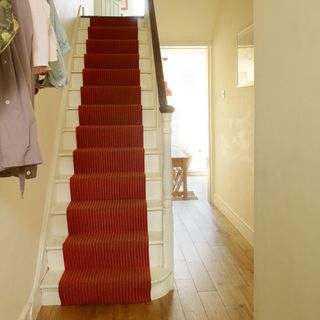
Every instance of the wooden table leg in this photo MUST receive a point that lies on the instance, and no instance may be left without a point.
(185, 186)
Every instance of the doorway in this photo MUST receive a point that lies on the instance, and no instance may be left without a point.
(186, 75)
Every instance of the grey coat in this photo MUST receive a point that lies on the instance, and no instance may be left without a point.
(19, 150)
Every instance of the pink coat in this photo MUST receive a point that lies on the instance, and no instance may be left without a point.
(44, 38)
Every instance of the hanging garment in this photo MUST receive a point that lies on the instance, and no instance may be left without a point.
(58, 29)
(19, 150)
(44, 39)
(8, 24)
(57, 76)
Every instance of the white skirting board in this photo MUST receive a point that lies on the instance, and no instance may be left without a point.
(246, 231)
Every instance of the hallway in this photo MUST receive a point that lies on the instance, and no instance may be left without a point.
(213, 272)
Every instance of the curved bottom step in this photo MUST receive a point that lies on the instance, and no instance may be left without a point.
(161, 284)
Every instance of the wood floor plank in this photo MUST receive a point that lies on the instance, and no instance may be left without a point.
(190, 300)
(201, 277)
(239, 313)
(171, 306)
(138, 311)
(231, 295)
(46, 313)
(178, 255)
(191, 226)
(216, 238)
(205, 252)
(186, 245)
(104, 312)
(181, 270)
(74, 312)
(213, 305)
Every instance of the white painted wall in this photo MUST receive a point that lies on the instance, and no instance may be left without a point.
(185, 21)
(20, 220)
(287, 160)
(233, 121)
(135, 8)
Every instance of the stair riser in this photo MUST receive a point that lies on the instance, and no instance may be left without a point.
(69, 140)
(56, 262)
(65, 164)
(144, 65)
(83, 35)
(72, 118)
(147, 98)
(145, 81)
(62, 191)
(144, 51)
(58, 223)
(85, 23)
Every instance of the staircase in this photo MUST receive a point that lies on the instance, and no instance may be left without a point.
(103, 151)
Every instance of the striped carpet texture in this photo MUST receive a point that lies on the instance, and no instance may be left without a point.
(106, 253)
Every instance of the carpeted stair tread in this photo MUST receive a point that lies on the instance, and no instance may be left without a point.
(114, 21)
(110, 115)
(109, 136)
(108, 186)
(107, 32)
(111, 95)
(111, 61)
(106, 250)
(112, 77)
(105, 286)
(95, 160)
(107, 216)
(112, 46)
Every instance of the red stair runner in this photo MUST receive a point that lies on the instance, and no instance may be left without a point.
(110, 115)
(111, 61)
(106, 253)
(113, 33)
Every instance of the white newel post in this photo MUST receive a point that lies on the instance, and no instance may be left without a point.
(167, 191)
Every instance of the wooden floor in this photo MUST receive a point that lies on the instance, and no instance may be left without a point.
(213, 275)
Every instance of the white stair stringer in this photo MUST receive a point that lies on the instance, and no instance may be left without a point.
(60, 197)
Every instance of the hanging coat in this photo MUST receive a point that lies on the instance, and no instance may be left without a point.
(44, 39)
(19, 150)
(57, 75)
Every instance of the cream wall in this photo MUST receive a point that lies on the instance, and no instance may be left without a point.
(233, 118)
(20, 220)
(185, 21)
(287, 160)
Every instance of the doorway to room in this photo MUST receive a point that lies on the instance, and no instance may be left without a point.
(186, 76)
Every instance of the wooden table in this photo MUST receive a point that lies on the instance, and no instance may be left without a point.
(180, 164)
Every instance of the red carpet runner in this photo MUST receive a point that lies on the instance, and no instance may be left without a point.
(106, 253)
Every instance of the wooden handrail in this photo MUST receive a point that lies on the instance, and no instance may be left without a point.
(164, 107)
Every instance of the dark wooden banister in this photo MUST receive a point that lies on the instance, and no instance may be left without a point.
(164, 107)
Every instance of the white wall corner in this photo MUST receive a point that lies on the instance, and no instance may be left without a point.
(246, 231)
(33, 306)
(26, 313)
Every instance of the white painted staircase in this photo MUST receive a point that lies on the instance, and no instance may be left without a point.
(160, 247)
